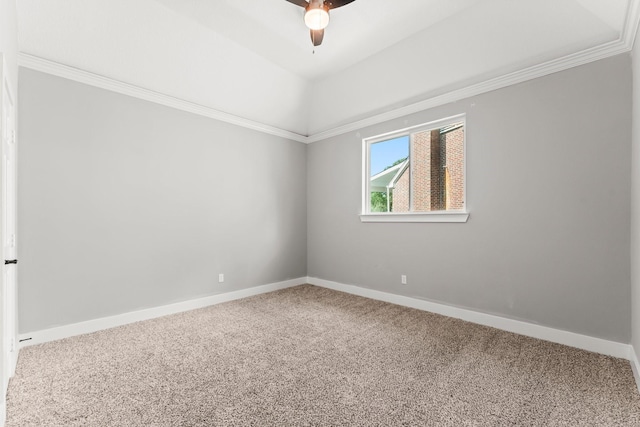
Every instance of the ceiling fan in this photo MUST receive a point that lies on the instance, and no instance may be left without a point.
(316, 15)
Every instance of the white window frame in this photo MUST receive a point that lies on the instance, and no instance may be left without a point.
(366, 215)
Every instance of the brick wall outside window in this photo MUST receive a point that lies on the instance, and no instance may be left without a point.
(437, 173)
(401, 193)
(454, 155)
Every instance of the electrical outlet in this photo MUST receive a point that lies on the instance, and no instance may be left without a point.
(220, 278)
(403, 279)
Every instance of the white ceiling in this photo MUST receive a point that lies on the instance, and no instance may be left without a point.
(254, 59)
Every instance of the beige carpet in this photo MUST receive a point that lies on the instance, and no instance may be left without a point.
(308, 356)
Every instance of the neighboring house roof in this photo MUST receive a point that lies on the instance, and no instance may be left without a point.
(388, 177)
(450, 128)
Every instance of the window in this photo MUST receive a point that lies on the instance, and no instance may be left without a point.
(416, 174)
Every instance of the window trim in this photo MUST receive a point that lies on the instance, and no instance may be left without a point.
(435, 216)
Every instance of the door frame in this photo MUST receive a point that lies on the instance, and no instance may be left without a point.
(9, 290)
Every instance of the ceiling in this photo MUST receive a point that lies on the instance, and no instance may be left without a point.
(254, 59)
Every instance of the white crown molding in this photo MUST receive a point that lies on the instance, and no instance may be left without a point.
(631, 24)
(86, 77)
(89, 326)
(606, 50)
(571, 339)
(622, 45)
(541, 70)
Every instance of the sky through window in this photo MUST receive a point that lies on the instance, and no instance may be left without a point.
(385, 153)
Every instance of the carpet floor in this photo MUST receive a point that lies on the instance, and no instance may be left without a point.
(308, 356)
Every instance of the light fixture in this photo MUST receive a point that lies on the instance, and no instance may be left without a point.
(316, 15)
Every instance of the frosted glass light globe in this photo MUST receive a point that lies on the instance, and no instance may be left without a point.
(316, 18)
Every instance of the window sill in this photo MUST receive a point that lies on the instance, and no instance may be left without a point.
(416, 217)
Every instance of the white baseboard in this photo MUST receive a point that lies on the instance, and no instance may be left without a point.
(89, 326)
(635, 366)
(596, 345)
(3, 410)
(585, 342)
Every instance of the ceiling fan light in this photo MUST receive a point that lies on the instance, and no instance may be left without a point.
(316, 18)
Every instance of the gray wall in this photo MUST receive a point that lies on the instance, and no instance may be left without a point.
(125, 204)
(548, 180)
(635, 204)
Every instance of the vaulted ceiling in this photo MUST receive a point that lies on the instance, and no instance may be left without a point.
(253, 59)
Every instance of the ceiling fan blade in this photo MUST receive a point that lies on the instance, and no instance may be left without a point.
(337, 3)
(301, 3)
(317, 36)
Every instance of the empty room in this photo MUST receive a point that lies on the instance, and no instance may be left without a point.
(320, 213)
